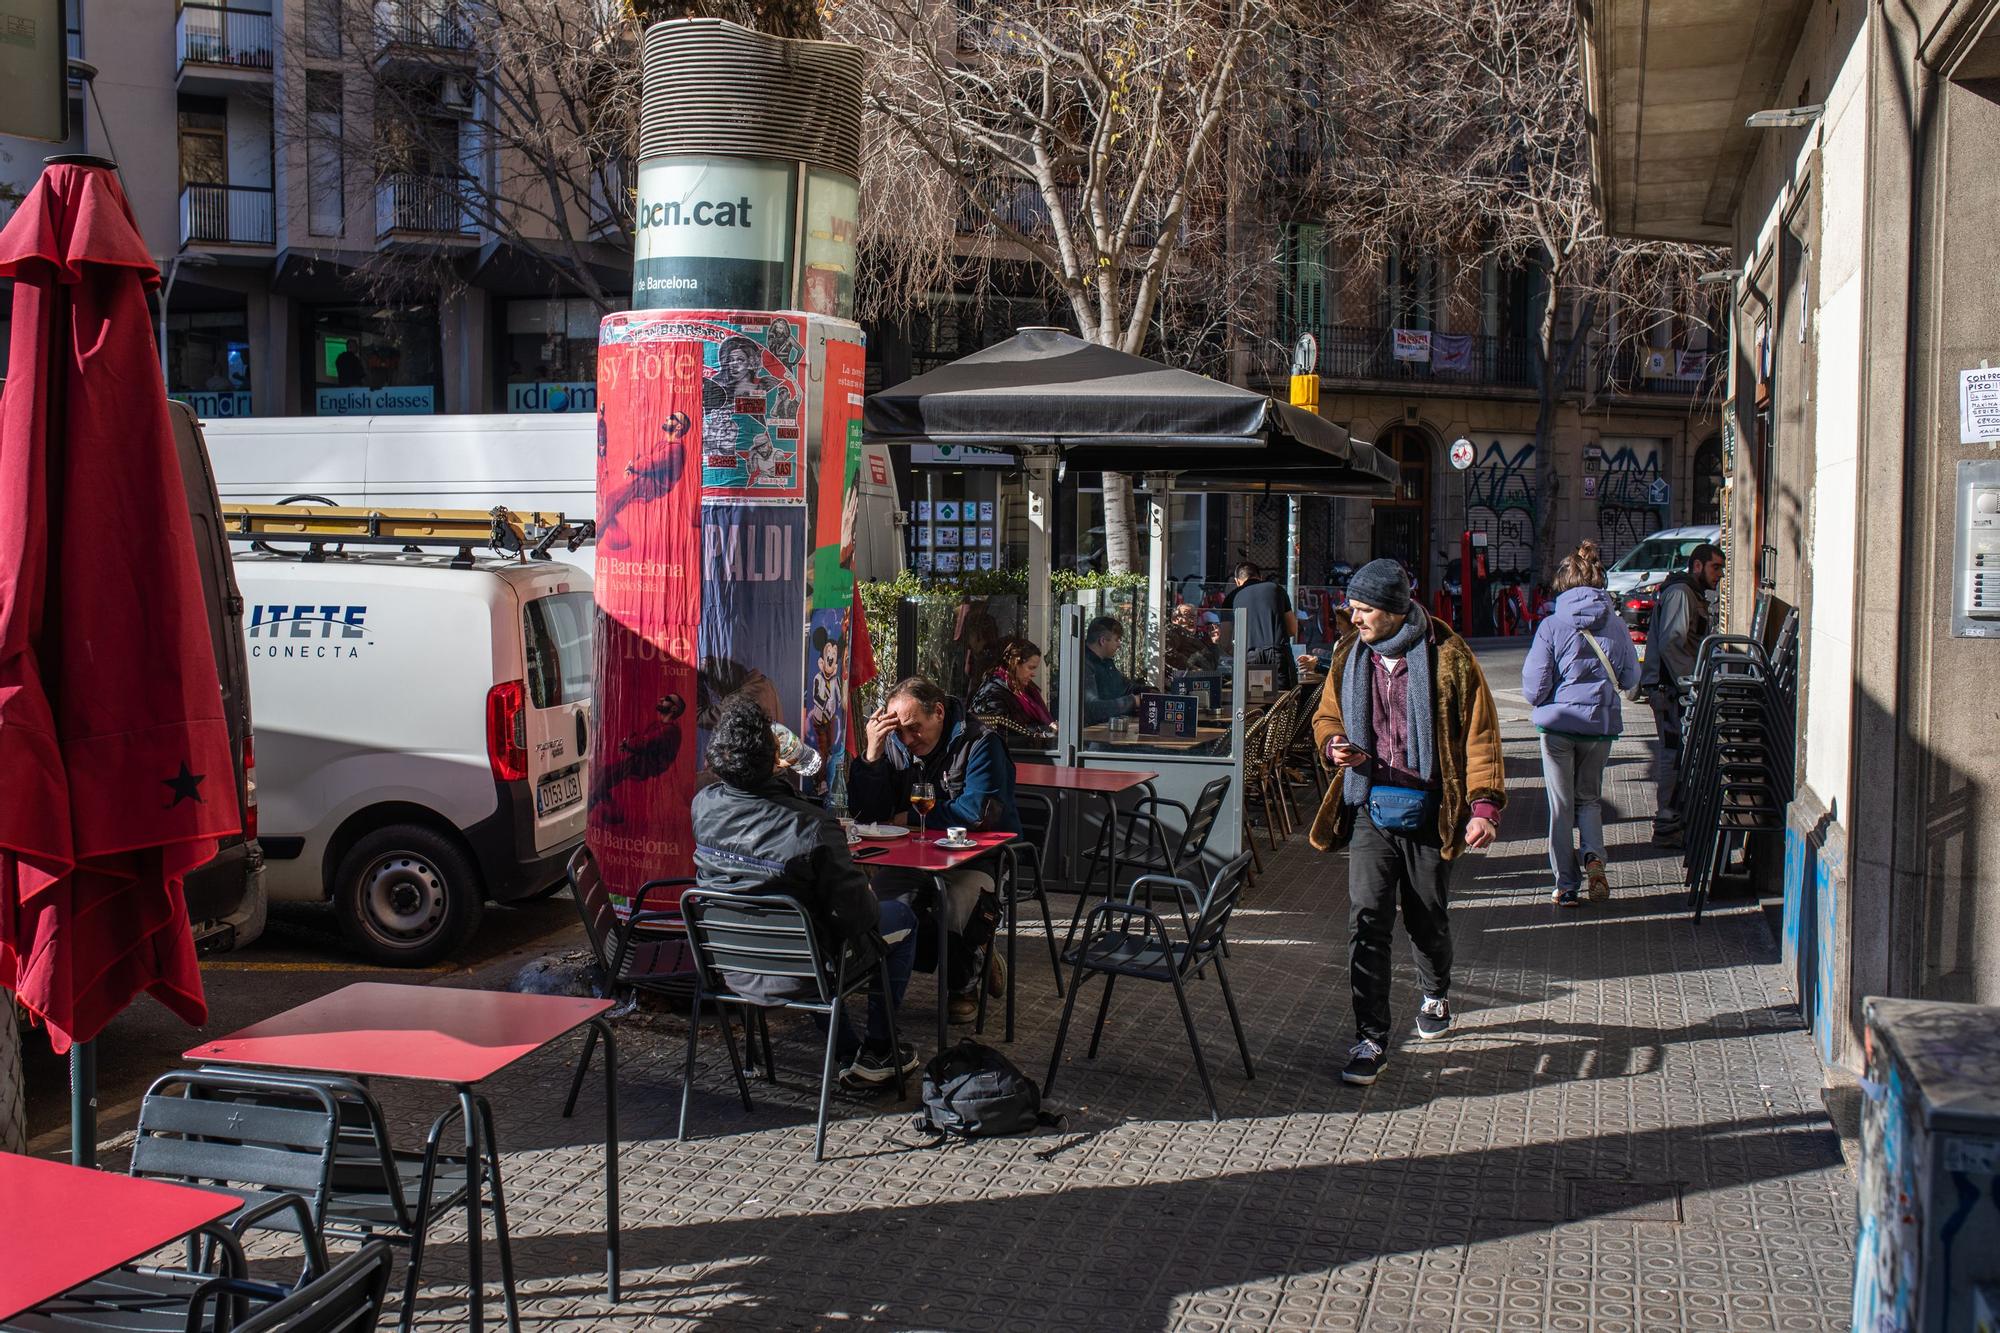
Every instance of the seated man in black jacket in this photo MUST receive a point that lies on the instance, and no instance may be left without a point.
(755, 834)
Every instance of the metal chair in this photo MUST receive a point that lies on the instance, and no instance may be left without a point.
(196, 1129)
(347, 1298)
(1126, 940)
(1015, 889)
(770, 935)
(380, 1192)
(1145, 844)
(647, 950)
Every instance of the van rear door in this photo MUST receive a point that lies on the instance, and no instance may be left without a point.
(558, 623)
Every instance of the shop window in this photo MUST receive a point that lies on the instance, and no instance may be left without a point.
(374, 360)
(549, 348)
(208, 361)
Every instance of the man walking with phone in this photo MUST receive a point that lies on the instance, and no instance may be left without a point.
(1407, 716)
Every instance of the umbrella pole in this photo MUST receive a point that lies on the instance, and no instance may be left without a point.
(83, 1104)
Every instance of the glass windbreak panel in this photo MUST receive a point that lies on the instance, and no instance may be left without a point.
(1133, 700)
(559, 631)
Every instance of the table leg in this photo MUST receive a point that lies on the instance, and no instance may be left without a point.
(475, 1230)
(500, 1234)
(1010, 865)
(610, 1158)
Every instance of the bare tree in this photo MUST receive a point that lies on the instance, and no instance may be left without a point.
(1087, 136)
(1459, 127)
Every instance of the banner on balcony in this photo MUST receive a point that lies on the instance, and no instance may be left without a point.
(648, 590)
(1413, 345)
(1657, 366)
(1691, 366)
(1451, 351)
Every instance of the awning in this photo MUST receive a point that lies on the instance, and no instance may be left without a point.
(1106, 410)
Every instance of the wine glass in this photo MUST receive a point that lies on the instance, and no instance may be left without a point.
(923, 796)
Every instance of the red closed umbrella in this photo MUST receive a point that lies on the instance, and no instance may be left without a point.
(115, 769)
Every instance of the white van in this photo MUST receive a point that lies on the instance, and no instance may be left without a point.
(523, 461)
(421, 726)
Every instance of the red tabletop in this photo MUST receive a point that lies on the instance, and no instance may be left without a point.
(61, 1225)
(910, 854)
(434, 1034)
(1057, 777)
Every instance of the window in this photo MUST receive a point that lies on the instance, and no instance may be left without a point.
(323, 27)
(559, 634)
(1409, 290)
(1305, 287)
(326, 197)
(550, 349)
(373, 360)
(204, 128)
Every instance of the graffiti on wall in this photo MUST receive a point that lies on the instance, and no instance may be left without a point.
(1500, 502)
(1625, 509)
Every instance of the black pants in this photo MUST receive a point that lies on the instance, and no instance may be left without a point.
(1383, 870)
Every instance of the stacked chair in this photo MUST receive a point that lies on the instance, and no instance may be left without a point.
(1738, 730)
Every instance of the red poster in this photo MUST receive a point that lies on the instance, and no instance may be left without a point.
(642, 777)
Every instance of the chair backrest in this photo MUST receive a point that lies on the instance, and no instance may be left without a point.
(1212, 927)
(593, 904)
(215, 1127)
(1255, 748)
(1201, 821)
(347, 1298)
(763, 935)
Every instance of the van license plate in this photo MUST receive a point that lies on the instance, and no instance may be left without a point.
(558, 790)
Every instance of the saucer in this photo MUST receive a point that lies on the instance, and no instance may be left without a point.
(949, 845)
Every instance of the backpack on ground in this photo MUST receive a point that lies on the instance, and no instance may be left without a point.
(974, 1092)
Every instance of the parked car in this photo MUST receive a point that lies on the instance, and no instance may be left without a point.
(1635, 577)
(225, 898)
(422, 726)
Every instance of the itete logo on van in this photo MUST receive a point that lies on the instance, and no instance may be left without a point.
(318, 632)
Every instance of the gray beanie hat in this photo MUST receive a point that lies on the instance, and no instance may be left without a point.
(1383, 585)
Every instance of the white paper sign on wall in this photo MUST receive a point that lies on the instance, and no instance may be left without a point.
(1979, 406)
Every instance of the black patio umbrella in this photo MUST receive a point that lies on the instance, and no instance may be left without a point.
(1106, 410)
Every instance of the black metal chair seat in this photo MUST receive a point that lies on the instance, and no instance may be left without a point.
(1130, 954)
(347, 1298)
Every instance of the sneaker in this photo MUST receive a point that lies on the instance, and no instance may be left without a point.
(1600, 881)
(873, 1067)
(964, 1007)
(1364, 1063)
(1433, 1017)
(1567, 898)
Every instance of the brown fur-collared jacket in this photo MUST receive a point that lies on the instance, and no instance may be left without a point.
(1470, 764)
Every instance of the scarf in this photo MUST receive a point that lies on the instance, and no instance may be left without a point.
(1357, 703)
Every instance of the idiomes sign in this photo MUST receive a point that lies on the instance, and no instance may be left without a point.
(713, 233)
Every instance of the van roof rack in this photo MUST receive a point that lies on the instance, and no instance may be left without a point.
(527, 535)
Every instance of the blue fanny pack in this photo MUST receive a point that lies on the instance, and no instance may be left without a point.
(1401, 809)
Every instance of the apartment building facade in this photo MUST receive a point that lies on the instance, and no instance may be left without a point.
(240, 133)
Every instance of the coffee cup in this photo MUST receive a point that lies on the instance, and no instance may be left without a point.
(955, 833)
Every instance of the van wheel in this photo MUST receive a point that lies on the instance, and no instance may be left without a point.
(407, 896)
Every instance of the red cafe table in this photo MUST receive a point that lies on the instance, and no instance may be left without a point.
(62, 1225)
(439, 1034)
(920, 852)
(1106, 784)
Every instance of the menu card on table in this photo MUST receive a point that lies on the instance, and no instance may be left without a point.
(1167, 715)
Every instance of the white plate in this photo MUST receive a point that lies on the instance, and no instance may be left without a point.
(881, 832)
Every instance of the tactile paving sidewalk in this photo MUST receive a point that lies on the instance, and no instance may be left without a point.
(1623, 1132)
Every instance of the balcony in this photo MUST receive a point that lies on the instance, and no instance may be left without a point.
(1369, 356)
(414, 35)
(422, 210)
(219, 49)
(231, 216)
(1025, 210)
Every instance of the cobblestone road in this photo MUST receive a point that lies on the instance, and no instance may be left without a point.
(1624, 1132)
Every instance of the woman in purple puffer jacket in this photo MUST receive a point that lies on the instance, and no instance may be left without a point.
(1582, 659)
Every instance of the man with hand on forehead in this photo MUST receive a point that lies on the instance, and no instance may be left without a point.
(1406, 715)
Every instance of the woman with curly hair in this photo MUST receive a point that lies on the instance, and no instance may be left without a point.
(755, 834)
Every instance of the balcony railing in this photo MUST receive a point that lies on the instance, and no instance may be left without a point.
(434, 24)
(227, 215)
(1362, 353)
(429, 205)
(1027, 212)
(215, 35)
